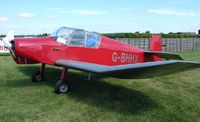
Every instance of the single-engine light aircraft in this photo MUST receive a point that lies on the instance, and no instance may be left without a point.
(93, 53)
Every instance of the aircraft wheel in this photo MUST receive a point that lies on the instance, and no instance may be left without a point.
(36, 77)
(62, 87)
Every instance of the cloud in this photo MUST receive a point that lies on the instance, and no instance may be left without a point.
(172, 12)
(54, 9)
(26, 15)
(3, 19)
(87, 12)
(130, 10)
(52, 16)
(78, 11)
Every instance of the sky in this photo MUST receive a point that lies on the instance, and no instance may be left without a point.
(103, 16)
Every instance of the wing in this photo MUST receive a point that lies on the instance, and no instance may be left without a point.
(140, 70)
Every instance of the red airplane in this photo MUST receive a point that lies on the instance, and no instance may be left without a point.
(94, 53)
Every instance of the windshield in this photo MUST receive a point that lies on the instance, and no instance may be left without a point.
(76, 37)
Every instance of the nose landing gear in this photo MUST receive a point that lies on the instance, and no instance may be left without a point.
(38, 76)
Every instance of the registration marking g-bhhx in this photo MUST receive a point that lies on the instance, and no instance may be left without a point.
(124, 57)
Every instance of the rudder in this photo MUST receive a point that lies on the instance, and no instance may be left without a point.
(156, 45)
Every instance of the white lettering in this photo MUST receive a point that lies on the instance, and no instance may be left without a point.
(114, 57)
(124, 57)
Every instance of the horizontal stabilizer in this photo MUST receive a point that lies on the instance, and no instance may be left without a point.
(165, 55)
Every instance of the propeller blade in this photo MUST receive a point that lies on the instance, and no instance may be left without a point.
(9, 37)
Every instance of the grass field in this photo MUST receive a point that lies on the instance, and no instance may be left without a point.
(171, 98)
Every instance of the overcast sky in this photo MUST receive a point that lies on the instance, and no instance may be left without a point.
(45, 16)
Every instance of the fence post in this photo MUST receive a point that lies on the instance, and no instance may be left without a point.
(180, 44)
(139, 42)
(129, 42)
(193, 45)
(149, 39)
(166, 42)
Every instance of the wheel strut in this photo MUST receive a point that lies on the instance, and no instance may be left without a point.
(38, 76)
(42, 68)
(63, 74)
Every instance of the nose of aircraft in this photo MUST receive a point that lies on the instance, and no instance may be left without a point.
(18, 49)
(10, 44)
(29, 50)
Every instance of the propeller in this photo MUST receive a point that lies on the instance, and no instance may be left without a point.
(7, 42)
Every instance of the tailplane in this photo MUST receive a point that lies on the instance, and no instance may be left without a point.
(155, 51)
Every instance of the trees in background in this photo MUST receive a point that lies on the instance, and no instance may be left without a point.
(147, 34)
(136, 34)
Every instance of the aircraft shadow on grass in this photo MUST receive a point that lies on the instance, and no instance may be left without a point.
(95, 92)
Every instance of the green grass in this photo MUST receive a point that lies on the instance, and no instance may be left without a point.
(174, 97)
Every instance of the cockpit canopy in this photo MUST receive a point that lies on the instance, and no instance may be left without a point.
(77, 37)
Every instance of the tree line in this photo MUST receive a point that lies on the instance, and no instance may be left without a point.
(137, 34)
(28, 35)
(148, 35)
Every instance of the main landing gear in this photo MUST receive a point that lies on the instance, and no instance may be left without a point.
(61, 86)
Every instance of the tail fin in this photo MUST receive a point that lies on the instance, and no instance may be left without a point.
(156, 45)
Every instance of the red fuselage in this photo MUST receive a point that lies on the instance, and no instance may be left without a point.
(47, 50)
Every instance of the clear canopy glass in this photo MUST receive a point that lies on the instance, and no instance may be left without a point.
(76, 37)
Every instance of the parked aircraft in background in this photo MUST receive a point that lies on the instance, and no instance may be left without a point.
(3, 50)
(93, 53)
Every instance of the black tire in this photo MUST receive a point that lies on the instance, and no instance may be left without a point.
(61, 87)
(36, 77)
